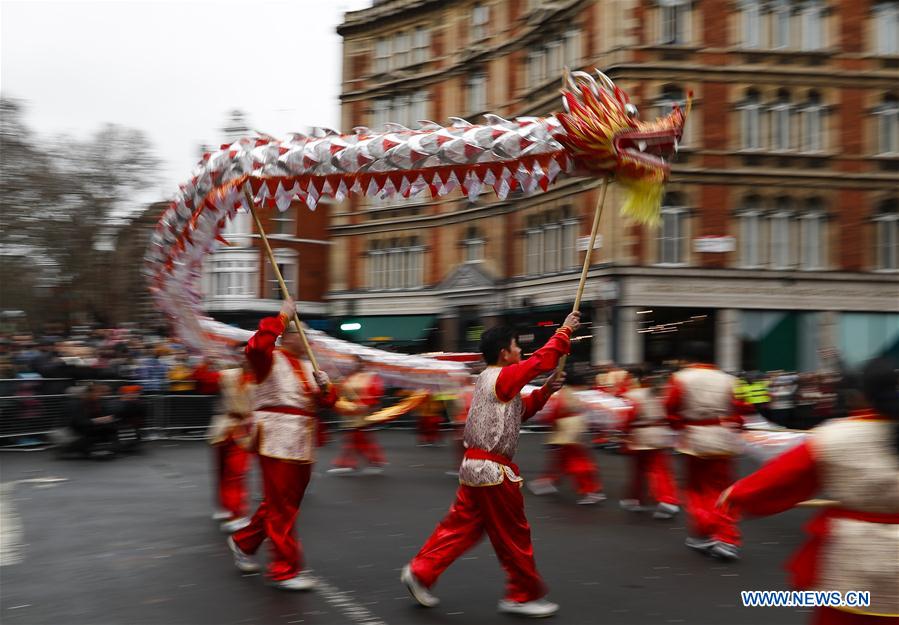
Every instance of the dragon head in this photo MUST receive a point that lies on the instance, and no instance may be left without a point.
(605, 136)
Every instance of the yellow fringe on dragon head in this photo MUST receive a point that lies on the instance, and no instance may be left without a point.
(606, 137)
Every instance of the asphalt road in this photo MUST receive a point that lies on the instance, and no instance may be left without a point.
(130, 541)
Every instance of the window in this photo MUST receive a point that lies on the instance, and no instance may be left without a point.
(287, 265)
(813, 124)
(473, 245)
(780, 235)
(238, 226)
(232, 275)
(477, 93)
(811, 245)
(401, 50)
(285, 223)
(780, 122)
(670, 97)
(569, 243)
(886, 223)
(780, 24)
(377, 267)
(396, 264)
(812, 23)
(672, 234)
(750, 13)
(421, 45)
(534, 251)
(750, 233)
(480, 16)
(382, 56)
(886, 28)
(888, 125)
(554, 58)
(551, 242)
(750, 121)
(380, 112)
(675, 27)
(536, 68)
(573, 48)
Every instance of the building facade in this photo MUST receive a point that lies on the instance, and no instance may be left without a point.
(779, 238)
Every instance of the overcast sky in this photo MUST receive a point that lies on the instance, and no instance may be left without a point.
(173, 69)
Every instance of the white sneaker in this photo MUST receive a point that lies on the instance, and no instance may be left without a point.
(542, 486)
(700, 544)
(373, 470)
(244, 562)
(591, 498)
(631, 505)
(302, 581)
(725, 551)
(221, 515)
(229, 527)
(534, 609)
(665, 511)
(417, 589)
(341, 470)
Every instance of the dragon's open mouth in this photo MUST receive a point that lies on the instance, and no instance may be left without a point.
(652, 148)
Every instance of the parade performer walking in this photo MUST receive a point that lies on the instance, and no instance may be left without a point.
(489, 496)
(855, 542)
(362, 393)
(231, 460)
(702, 406)
(648, 441)
(284, 411)
(568, 456)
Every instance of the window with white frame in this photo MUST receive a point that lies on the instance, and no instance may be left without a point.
(533, 251)
(750, 121)
(811, 236)
(670, 97)
(554, 58)
(573, 53)
(781, 112)
(551, 242)
(238, 227)
(750, 220)
(569, 241)
(672, 234)
(812, 25)
(477, 93)
(396, 264)
(421, 44)
(377, 267)
(401, 49)
(780, 233)
(887, 115)
(780, 24)
(536, 68)
(418, 108)
(232, 275)
(886, 28)
(382, 55)
(813, 124)
(380, 113)
(886, 225)
(480, 17)
(473, 246)
(287, 265)
(675, 21)
(285, 223)
(751, 18)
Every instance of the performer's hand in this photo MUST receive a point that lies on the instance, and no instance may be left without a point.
(322, 379)
(555, 382)
(288, 309)
(722, 499)
(573, 321)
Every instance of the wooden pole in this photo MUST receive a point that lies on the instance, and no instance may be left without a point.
(597, 215)
(271, 257)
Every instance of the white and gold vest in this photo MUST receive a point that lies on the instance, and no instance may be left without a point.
(235, 397)
(650, 430)
(707, 394)
(492, 426)
(859, 468)
(278, 434)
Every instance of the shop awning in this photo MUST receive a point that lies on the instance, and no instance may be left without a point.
(388, 329)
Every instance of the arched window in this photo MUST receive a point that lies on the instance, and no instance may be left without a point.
(751, 18)
(750, 121)
(672, 232)
(886, 224)
(813, 123)
(473, 244)
(780, 24)
(781, 112)
(887, 115)
(886, 28)
(812, 24)
(781, 234)
(675, 22)
(750, 218)
(812, 240)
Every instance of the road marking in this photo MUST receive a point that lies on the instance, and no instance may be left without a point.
(346, 604)
(11, 545)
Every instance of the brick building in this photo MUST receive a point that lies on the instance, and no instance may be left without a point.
(780, 228)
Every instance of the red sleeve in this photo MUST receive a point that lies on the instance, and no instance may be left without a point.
(673, 399)
(261, 345)
(513, 377)
(328, 397)
(533, 403)
(207, 380)
(779, 485)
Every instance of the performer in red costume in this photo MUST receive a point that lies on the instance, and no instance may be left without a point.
(489, 495)
(568, 455)
(854, 543)
(702, 406)
(284, 411)
(231, 460)
(362, 393)
(648, 441)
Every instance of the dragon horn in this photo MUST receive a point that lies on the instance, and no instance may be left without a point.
(588, 79)
(605, 80)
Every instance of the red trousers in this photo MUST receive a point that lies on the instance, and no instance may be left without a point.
(359, 443)
(429, 428)
(706, 479)
(650, 468)
(832, 616)
(574, 461)
(283, 485)
(499, 511)
(231, 462)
